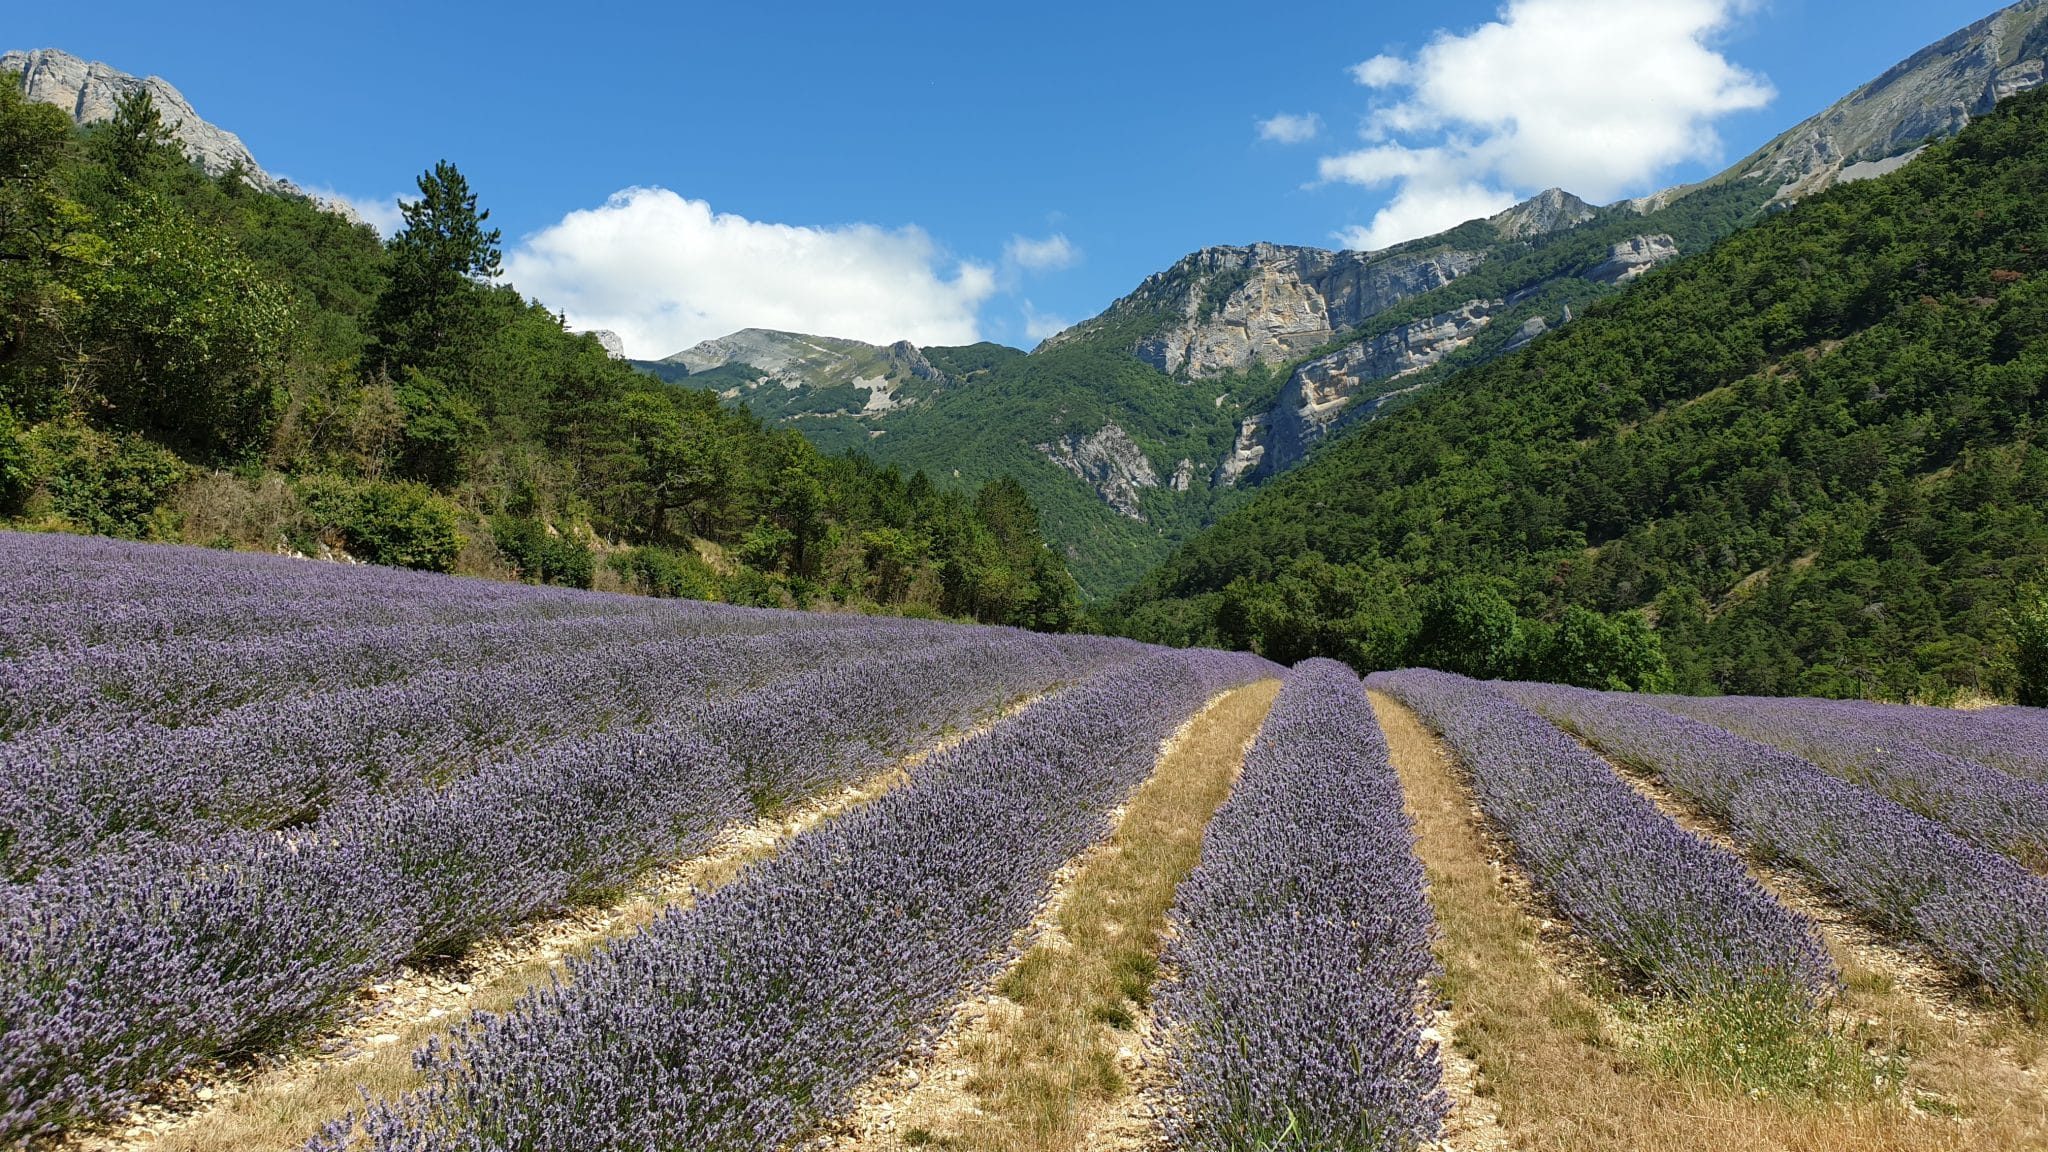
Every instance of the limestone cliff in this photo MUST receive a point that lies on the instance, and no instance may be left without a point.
(1930, 95)
(1227, 309)
(1108, 461)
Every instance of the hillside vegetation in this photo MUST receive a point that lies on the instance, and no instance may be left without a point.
(1808, 456)
(184, 357)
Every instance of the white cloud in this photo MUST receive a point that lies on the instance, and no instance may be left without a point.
(1050, 254)
(1039, 325)
(1289, 128)
(665, 272)
(380, 213)
(1596, 96)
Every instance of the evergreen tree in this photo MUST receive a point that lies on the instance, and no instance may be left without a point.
(430, 316)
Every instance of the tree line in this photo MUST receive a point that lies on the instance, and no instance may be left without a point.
(185, 357)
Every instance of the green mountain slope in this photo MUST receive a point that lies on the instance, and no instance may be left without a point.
(1810, 455)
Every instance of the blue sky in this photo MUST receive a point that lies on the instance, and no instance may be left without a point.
(944, 171)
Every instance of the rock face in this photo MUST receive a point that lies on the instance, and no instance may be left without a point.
(1245, 455)
(89, 91)
(1553, 211)
(896, 376)
(1318, 392)
(1629, 259)
(1108, 461)
(613, 346)
(1266, 304)
(1930, 95)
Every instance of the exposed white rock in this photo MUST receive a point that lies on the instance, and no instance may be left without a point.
(613, 345)
(90, 91)
(1933, 94)
(1245, 455)
(1183, 476)
(1318, 392)
(1554, 210)
(1532, 328)
(797, 361)
(1629, 259)
(1108, 461)
(1270, 303)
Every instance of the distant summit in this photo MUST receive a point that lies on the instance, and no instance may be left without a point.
(90, 90)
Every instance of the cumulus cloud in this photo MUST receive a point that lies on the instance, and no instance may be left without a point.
(1289, 128)
(380, 213)
(666, 272)
(1597, 96)
(1044, 255)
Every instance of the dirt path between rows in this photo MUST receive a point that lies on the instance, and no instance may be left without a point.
(1055, 1054)
(281, 1105)
(1559, 1061)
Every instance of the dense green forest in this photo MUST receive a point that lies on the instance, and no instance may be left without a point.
(1806, 460)
(186, 358)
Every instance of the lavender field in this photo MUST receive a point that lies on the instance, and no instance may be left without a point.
(243, 797)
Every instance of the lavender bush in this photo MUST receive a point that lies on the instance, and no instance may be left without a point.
(743, 1021)
(1674, 911)
(1977, 910)
(189, 894)
(1983, 805)
(1302, 943)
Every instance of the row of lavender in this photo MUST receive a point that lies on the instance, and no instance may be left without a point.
(1301, 945)
(1977, 910)
(68, 593)
(377, 767)
(1678, 914)
(1984, 804)
(68, 794)
(744, 1021)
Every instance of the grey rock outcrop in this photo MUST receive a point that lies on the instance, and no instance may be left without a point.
(613, 345)
(796, 362)
(1317, 394)
(1233, 308)
(1555, 210)
(1108, 461)
(1628, 260)
(1245, 455)
(89, 91)
(1183, 476)
(1930, 95)
(1526, 335)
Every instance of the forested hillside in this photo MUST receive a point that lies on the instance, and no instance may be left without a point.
(185, 357)
(1808, 457)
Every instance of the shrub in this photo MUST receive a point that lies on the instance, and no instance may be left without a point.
(542, 557)
(106, 484)
(17, 477)
(401, 525)
(2030, 653)
(661, 572)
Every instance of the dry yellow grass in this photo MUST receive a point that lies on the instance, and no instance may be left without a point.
(1050, 1062)
(1565, 1070)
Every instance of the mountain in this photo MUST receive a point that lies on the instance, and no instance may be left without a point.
(1135, 428)
(823, 381)
(1931, 95)
(1809, 455)
(89, 91)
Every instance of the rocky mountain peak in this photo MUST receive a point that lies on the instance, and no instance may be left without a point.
(1553, 210)
(90, 91)
(1226, 309)
(1930, 95)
